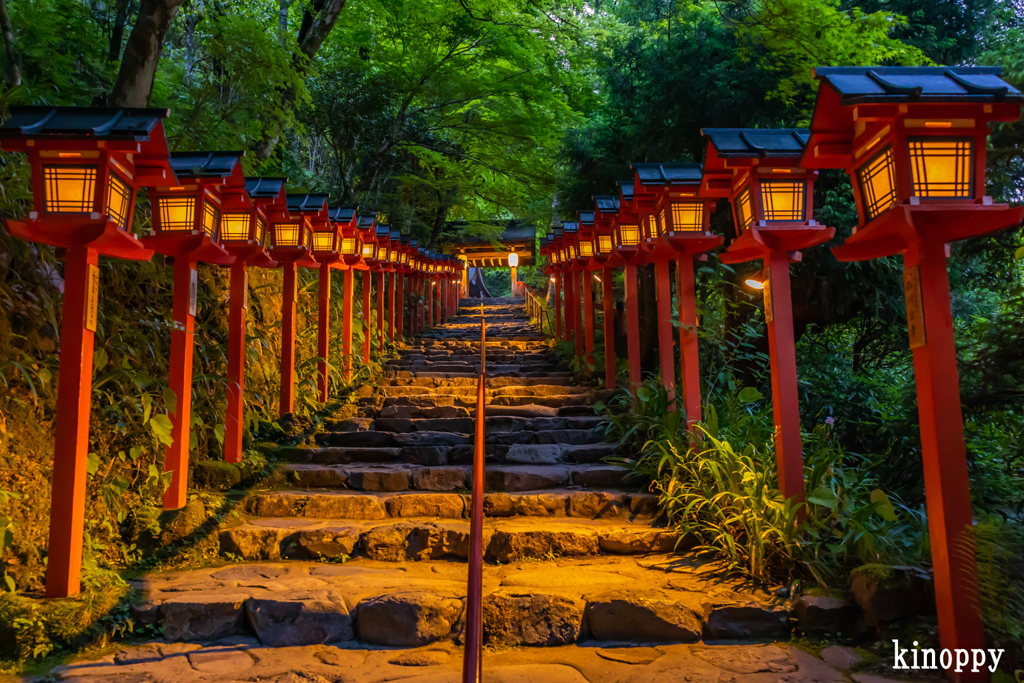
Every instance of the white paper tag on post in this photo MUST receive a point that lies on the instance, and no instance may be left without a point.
(193, 291)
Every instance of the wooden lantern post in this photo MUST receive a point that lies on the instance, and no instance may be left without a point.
(913, 141)
(773, 202)
(329, 249)
(291, 246)
(574, 265)
(606, 208)
(626, 248)
(243, 233)
(382, 269)
(402, 269)
(367, 224)
(585, 262)
(351, 256)
(677, 227)
(186, 228)
(87, 165)
(394, 272)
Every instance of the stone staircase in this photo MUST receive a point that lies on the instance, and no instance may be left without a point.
(375, 517)
(393, 488)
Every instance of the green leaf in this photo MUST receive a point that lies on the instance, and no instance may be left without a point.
(92, 465)
(1019, 254)
(99, 359)
(823, 496)
(170, 400)
(9, 580)
(643, 394)
(883, 505)
(161, 427)
(749, 395)
(218, 432)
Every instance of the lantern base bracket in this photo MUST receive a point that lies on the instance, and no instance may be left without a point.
(904, 225)
(757, 242)
(105, 236)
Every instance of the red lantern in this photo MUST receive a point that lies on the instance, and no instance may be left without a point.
(913, 141)
(87, 165)
(626, 225)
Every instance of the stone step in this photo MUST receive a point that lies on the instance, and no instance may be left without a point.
(571, 402)
(430, 538)
(469, 389)
(405, 477)
(456, 450)
(495, 424)
(550, 503)
(545, 382)
(631, 600)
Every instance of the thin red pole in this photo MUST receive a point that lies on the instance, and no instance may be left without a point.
(686, 296)
(632, 326)
(666, 349)
(785, 398)
(380, 312)
(237, 310)
(393, 277)
(472, 664)
(577, 313)
(180, 380)
(609, 328)
(440, 311)
(287, 399)
(71, 426)
(400, 313)
(947, 488)
(367, 322)
(323, 332)
(348, 296)
(558, 306)
(588, 303)
(569, 315)
(430, 303)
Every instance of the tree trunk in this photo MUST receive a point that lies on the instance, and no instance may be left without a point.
(121, 11)
(282, 19)
(311, 37)
(195, 16)
(12, 72)
(134, 84)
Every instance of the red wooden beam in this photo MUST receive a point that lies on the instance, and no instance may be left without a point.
(391, 305)
(785, 397)
(558, 306)
(323, 336)
(286, 403)
(666, 348)
(400, 312)
(234, 421)
(577, 312)
(182, 334)
(588, 303)
(942, 446)
(632, 326)
(609, 327)
(348, 296)
(686, 296)
(71, 423)
(380, 311)
(367, 315)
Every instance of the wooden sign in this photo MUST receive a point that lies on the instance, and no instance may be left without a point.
(193, 291)
(915, 309)
(769, 307)
(245, 291)
(92, 297)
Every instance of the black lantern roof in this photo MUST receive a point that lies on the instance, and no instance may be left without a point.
(383, 231)
(607, 203)
(395, 236)
(341, 214)
(366, 219)
(860, 84)
(108, 123)
(413, 243)
(570, 227)
(264, 188)
(757, 142)
(405, 240)
(306, 202)
(558, 232)
(626, 187)
(668, 174)
(586, 218)
(205, 164)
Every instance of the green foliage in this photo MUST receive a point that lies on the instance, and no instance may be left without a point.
(718, 486)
